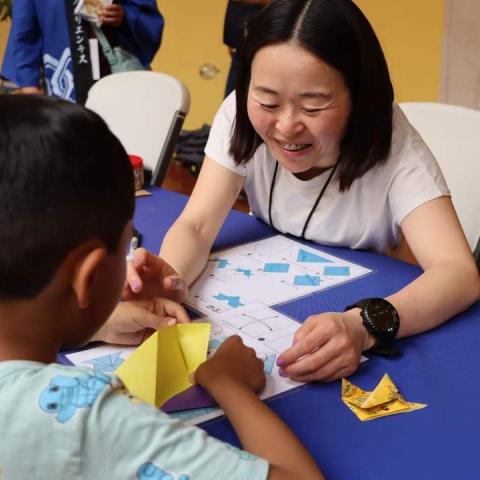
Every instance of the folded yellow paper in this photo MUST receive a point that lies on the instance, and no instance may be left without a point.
(159, 369)
(384, 400)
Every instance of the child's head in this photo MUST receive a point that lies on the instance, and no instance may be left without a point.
(65, 182)
(338, 34)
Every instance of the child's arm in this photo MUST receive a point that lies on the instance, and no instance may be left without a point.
(232, 376)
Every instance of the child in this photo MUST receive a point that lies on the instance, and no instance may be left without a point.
(66, 206)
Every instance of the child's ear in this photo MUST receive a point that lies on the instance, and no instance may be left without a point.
(87, 265)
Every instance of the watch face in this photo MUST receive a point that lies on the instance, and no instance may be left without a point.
(382, 315)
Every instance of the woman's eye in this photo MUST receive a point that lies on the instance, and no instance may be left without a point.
(312, 110)
(268, 106)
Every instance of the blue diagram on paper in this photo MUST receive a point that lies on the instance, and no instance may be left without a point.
(337, 271)
(106, 363)
(222, 263)
(246, 271)
(276, 267)
(214, 343)
(309, 257)
(232, 301)
(269, 363)
(306, 280)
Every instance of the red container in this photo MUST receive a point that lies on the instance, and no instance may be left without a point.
(137, 165)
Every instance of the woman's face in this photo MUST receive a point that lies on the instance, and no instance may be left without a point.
(300, 106)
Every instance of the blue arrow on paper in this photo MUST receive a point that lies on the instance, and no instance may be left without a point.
(232, 301)
(246, 271)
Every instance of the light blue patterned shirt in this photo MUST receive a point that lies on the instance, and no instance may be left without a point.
(68, 422)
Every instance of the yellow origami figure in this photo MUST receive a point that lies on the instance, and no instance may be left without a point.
(384, 400)
(161, 367)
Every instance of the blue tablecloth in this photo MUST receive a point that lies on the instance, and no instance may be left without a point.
(437, 368)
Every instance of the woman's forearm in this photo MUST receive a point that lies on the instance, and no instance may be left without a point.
(438, 294)
(186, 250)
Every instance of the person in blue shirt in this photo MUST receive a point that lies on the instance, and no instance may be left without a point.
(66, 228)
(43, 32)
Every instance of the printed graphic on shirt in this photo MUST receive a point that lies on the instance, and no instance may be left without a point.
(64, 395)
(58, 77)
(149, 471)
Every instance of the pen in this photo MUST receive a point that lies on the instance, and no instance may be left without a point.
(133, 246)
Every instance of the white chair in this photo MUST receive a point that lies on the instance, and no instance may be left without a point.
(145, 110)
(453, 135)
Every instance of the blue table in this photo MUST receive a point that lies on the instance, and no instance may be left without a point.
(437, 368)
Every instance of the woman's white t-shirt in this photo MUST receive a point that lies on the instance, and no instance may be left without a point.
(367, 216)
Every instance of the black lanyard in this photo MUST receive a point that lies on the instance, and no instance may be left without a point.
(317, 201)
(80, 51)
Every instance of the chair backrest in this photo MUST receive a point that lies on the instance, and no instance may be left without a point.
(453, 135)
(145, 110)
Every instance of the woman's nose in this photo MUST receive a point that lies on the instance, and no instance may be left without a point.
(288, 123)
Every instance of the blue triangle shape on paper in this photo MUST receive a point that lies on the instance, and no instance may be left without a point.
(304, 256)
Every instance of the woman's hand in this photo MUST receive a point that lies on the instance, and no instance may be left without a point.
(326, 347)
(112, 15)
(150, 276)
(132, 322)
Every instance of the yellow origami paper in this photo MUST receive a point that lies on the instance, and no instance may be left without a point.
(384, 400)
(159, 369)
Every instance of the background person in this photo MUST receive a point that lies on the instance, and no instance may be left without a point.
(42, 33)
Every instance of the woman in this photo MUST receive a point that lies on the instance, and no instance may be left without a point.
(323, 153)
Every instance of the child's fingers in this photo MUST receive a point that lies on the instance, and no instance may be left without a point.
(175, 311)
(134, 281)
(175, 288)
(148, 320)
(140, 258)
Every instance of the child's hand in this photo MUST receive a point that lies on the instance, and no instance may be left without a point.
(233, 361)
(132, 322)
(112, 15)
(150, 276)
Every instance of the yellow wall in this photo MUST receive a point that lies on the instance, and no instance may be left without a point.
(411, 33)
(193, 37)
(4, 28)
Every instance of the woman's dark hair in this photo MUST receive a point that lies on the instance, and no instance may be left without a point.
(64, 179)
(339, 34)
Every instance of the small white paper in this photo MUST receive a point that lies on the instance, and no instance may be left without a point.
(90, 10)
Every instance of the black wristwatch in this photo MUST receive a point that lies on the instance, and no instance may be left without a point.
(381, 320)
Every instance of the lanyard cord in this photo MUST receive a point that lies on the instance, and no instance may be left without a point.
(270, 199)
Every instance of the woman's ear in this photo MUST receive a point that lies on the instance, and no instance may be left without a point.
(88, 263)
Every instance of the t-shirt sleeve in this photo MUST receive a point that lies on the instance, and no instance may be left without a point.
(416, 180)
(142, 442)
(218, 144)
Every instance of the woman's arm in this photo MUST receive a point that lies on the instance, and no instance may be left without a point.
(450, 282)
(188, 242)
(332, 343)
